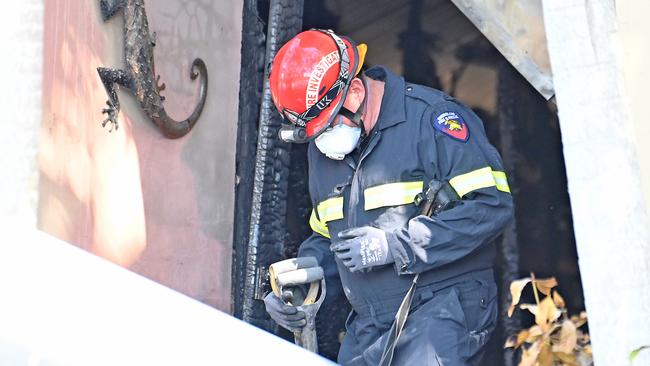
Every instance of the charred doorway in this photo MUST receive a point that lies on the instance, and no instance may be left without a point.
(428, 42)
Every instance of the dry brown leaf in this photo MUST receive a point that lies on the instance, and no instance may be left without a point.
(555, 326)
(579, 320)
(546, 314)
(583, 338)
(515, 291)
(529, 355)
(522, 337)
(568, 338)
(545, 285)
(568, 359)
(535, 331)
(551, 341)
(530, 307)
(585, 356)
(545, 357)
(528, 335)
(558, 300)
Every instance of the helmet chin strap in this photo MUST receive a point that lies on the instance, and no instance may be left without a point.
(356, 116)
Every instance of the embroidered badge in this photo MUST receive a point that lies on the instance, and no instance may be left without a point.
(452, 124)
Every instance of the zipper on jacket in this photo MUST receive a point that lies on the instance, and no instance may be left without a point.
(355, 186)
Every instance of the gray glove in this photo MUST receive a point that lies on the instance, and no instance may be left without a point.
(286, 316)
(365, 247)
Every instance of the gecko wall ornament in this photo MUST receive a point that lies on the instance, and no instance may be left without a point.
(139, 75)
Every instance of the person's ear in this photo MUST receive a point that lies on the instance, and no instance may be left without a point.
(357, 91)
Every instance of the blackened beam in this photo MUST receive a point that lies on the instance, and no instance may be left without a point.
(268, 210)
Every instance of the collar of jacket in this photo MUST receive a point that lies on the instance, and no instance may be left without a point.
(392, 110)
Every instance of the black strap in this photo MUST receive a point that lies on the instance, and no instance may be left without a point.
(398, 324)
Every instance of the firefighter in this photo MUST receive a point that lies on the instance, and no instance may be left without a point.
(375, 143)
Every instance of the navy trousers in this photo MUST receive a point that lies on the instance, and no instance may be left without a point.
(447, 326)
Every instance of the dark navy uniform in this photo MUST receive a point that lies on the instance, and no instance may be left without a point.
(421, 134)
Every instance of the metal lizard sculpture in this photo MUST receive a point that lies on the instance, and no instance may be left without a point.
(139, 75)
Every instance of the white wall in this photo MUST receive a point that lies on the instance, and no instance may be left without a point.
(162, 208)
(604, 168)
(21, 39)
(632, 19)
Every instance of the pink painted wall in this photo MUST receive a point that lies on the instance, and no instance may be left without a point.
(162, 208)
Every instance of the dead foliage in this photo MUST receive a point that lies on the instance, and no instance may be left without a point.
(556, 338)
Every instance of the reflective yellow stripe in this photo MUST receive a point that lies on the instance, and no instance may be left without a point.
(392, 194)
(480, 178)
(501, 181)
(318, 226)
(331, 209)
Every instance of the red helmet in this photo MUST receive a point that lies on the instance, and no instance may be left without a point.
(310, 78)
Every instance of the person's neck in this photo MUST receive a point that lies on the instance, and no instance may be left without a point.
(375, 90)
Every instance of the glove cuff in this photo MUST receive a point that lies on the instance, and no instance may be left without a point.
(398, 253)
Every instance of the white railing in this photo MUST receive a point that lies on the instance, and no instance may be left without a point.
(60, 305)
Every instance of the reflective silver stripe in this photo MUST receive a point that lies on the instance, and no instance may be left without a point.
(501, 181)
(479, 178)
(330, 209)
(318, 226)
(391, 194)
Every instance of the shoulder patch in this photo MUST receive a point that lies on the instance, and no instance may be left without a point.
(451, 124)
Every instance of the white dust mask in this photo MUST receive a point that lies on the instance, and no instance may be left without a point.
(338, 141)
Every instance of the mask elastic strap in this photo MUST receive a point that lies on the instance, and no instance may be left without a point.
(356, 116)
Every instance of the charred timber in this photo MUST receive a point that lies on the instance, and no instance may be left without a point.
(268, 232)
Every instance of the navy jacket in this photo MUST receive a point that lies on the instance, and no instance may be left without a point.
(421, 134)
